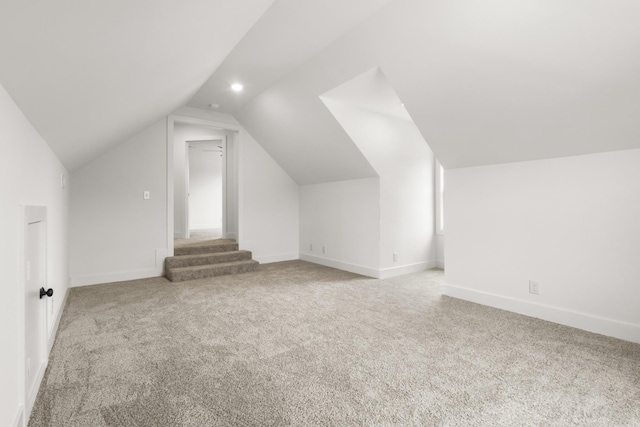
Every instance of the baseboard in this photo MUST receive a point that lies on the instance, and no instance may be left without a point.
(352, 268)
(19, 419)
(385, 273)
(440, 264)
(267, 259)
(119, 276)
(599, 325)
(232, 235)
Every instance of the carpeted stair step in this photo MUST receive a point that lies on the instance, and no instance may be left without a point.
(207, 258)
(207, 248)
(181, 274)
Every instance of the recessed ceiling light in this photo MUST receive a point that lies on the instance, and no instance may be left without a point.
(237, 87)
(214, 105)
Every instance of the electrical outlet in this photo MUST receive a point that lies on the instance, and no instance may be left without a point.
(395, 257)
(146, 195)
(534, 287)
(311, 247)
(324, 249)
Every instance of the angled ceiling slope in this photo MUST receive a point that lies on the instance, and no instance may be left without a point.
(485, 82)
(289, 33)
(89, 75)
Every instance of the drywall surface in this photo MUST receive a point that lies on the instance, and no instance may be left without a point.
(485, 84)
(115, 233)
(31, 175)
(182, 133)
(570, 224)
(342, 217)
(399, 154)
(268, 205)
(205, 186)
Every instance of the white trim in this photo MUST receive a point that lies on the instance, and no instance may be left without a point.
(440, 264)
(19, 419)
(353, 268)
(170, 196)
(120, 276)
(231, 235)
(267, 259)
(385, 273)
(438, 196)
(588, 322)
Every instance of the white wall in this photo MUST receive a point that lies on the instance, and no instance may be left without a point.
(30, 175)
(572, 224)
(399, 154)
(115, 234)
(268, 203)
(205, 187)
(344, 217)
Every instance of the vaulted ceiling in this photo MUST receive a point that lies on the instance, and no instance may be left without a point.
(90, 74)
(485, 82)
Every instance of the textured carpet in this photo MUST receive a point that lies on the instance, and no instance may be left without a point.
(299, 344)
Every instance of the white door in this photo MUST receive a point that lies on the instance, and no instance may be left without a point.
(35, 327)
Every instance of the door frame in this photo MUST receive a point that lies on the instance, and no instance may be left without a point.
(32, 215)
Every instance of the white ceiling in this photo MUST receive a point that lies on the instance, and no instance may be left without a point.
(370, 91)
(485, 82)
(90, 74)
(289, 33)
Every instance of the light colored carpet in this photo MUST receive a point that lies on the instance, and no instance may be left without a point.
(299, 344)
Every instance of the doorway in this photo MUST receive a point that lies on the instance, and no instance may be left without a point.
(35, 312)
(205, 176)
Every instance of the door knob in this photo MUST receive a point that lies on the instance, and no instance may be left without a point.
(48, 292)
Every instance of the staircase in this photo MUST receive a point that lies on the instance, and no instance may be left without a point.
(208, 258)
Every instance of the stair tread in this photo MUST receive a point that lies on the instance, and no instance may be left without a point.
(208, 254)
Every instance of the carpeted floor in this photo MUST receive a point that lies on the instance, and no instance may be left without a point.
(303, 345)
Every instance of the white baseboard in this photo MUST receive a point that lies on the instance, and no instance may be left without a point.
(19, 419)
(119, 276)
(440, 264)
(406, 269)
(267, 259)
(353, 268)
(599, 325)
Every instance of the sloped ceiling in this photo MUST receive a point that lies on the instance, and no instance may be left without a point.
(88, 74)
(485, 82)
(289, 33)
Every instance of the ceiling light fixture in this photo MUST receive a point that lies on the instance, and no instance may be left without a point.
(237, 87)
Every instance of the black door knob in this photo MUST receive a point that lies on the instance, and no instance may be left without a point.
(48, 292)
